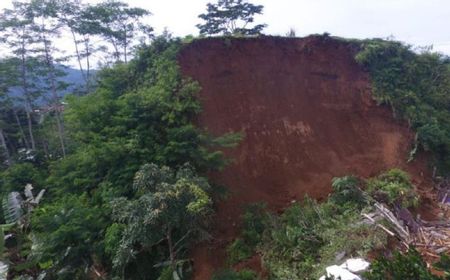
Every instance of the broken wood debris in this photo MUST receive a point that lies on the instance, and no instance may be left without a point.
(432, 237)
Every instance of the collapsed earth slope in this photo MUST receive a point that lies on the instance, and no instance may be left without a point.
(305, 108)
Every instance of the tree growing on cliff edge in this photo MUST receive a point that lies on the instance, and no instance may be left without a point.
(231, 17)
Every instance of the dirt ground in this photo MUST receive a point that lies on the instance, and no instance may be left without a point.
(305, 108)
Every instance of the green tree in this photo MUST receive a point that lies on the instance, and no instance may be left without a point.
(171, 208)
(140, 112)
(68, 234)
(118, 24)
(44, 15)
(70, 13)
(231, 17)
(20, 37)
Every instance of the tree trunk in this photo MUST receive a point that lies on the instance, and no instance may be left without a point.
(5, 148)
(88, 64)
(30, 130)
(172, 253)
(45, 148)
(22, 133)
(56, 105)
(83, 73)
(29, 107)
(60, 133)
(116, 50)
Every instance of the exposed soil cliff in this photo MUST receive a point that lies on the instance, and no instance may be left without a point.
(307, 114)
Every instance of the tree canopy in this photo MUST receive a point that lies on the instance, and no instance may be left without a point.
(231, 17)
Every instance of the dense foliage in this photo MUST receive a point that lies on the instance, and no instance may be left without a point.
(409, 266)
(417, 87)
(106, 207)
(394, 188)
(231, 17)
(171, 209)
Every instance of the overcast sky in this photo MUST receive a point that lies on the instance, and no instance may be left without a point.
(419, 22)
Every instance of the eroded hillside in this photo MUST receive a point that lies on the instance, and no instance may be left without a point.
(305, 108)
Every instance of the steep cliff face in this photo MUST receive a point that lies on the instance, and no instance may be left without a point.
(305, 109)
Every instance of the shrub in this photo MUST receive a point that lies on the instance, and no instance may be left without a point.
(406, 267)
(18, 175)
(238, 251)
(291, 242)
(393, 187)
(254, 222)
(347, 192)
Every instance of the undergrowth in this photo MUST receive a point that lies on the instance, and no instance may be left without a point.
(408, 266)
(309, 236)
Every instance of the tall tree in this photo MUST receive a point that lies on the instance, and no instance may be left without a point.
(5, 150)
(9, 78)
(4, 146)
(44, 14)
(231, 17)
(19, 36)
(71, 13)
(118, 24)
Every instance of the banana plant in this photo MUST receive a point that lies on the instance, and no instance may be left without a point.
(17, 210)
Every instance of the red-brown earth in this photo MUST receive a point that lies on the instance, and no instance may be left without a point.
(305, 108)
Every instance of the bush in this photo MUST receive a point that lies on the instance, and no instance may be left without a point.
(18, 175)
(254, 222)
(406, 267)
(291, 242)
(394, 188)
(253, 225)
(347, 192)
(238, 251)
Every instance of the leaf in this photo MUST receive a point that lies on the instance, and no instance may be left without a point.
(12, 207)
(39, 196)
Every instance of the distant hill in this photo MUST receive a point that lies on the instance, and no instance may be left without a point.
(73, 77)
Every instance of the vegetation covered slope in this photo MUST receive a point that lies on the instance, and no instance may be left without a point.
(107, 210)
(416, 84)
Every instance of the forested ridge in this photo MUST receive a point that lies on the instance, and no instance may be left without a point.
(111, 181)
